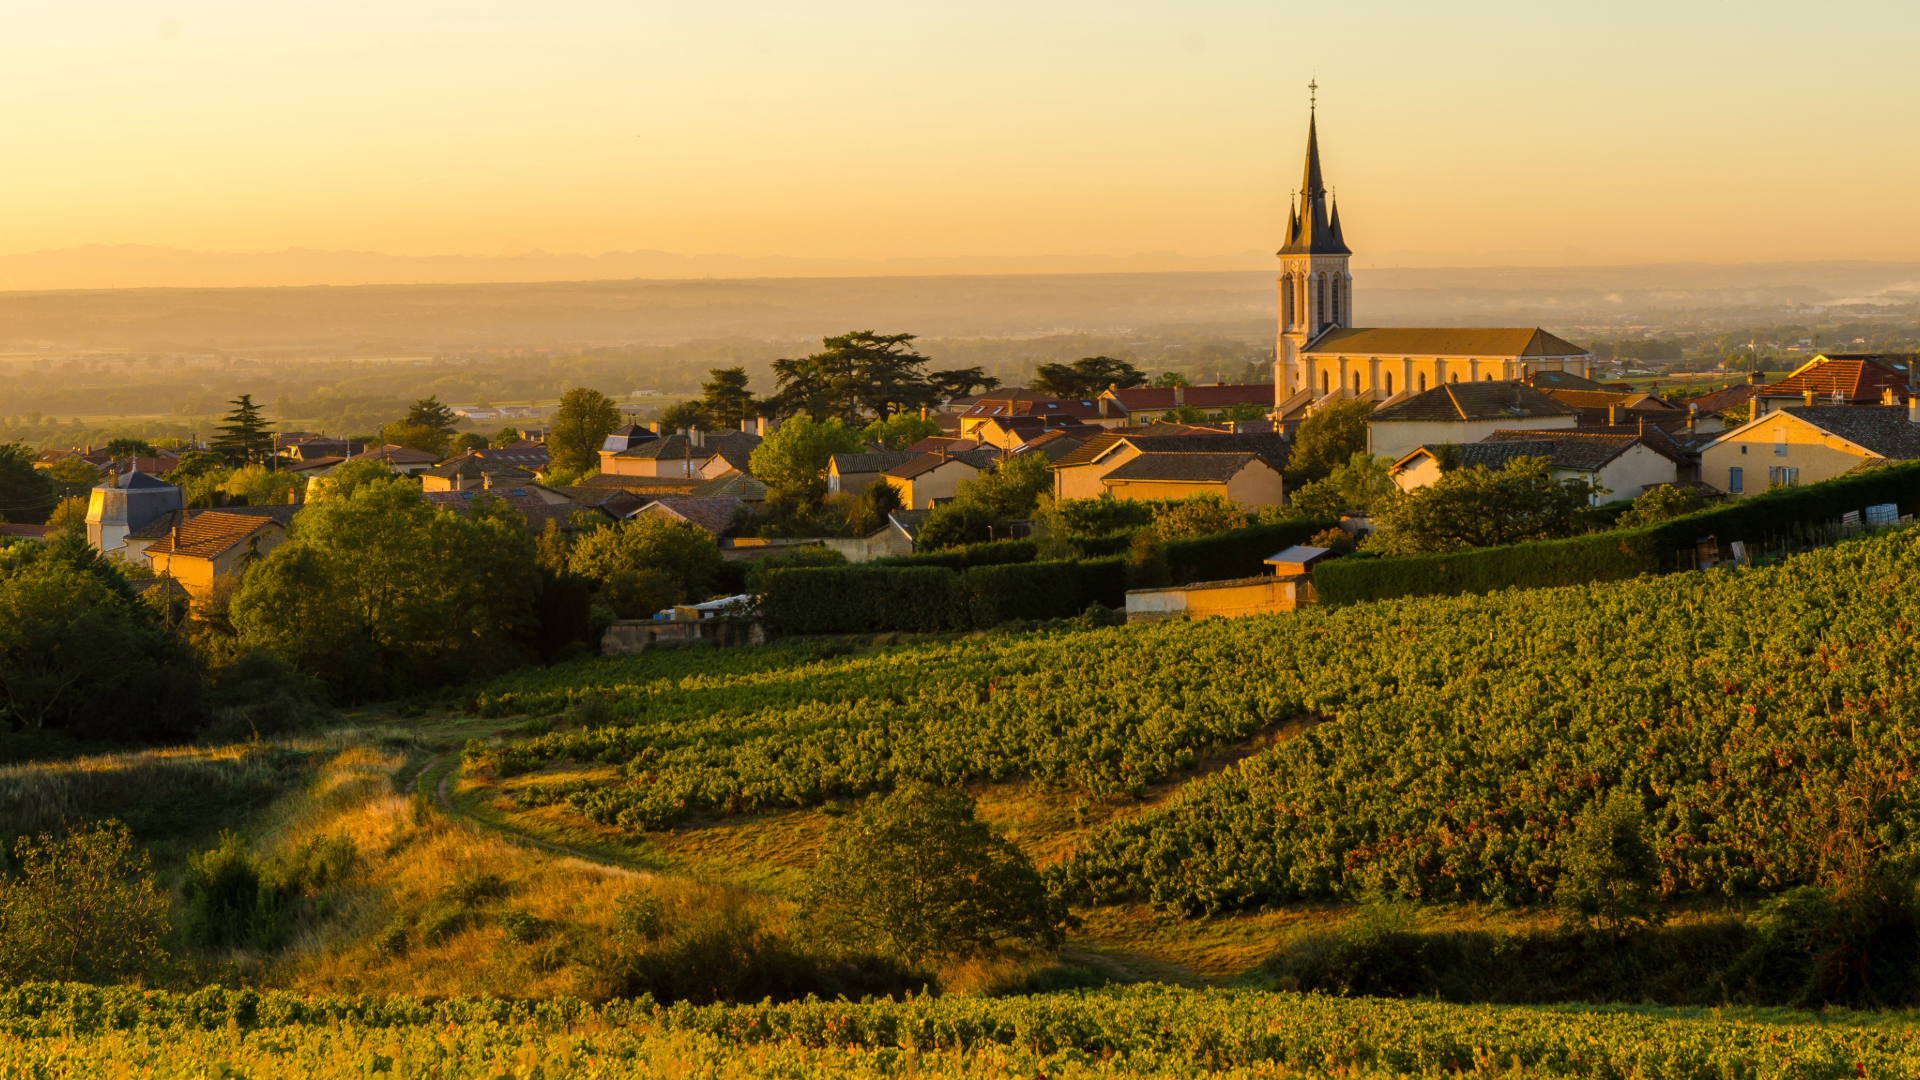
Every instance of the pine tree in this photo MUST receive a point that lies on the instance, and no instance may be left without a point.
(244, 434)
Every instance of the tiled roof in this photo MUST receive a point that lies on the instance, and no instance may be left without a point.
(734, 483)
(936, 443)
(210, 533)
(1563, 380)
(926, 463)
(727, 444)
(1858, 380)
(533, 457)
(1100, 443)
(1023, 402)
(1580, 450)
(162, 525)
(1200, 397)
(909, 521)
(25, 532)
(1453, 402)
(1603, 399)
(1058, 443)
(1190, 468)
(1483, 455)
(1880, 429)
(311, 464)
(1721, 400)
(396, 455)
(712, 514)
(472, 466)
(645, 485)
(1442, 341)
(850, 464)
(1669, 438)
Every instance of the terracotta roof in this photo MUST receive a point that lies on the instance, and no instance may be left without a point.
(1584, 451)
(1668, 438)
(726, 444)
(534, 457)
(937, 443)
(1483, 455)
(26, 532)
(852, 464)
(1103, 441)
(649, 486)
(1853, 379)
(1058, 443)
(1200, 397)
(926, 463)
(1188, 468)
(162, 525)
(1720, 401)
(1472, 401)
(1442, 341)
(471, 466)
(1024, 402)
(312, 464)
(1585, 400)
(712, 514)
(1879, 429)
(210, 534)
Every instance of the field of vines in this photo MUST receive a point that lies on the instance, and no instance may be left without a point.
(75, 1031)
(1761, 716)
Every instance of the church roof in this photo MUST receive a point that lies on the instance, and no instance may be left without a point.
(1500, 342)
(1314, 228)
(1454, 402)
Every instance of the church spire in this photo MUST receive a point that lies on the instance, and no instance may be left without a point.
(1314, 232)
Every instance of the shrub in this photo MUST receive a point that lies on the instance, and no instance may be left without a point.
(1197, 515)
(392, 941)
(1611, 872)
(1857, 944)
(789, 558)
(229, 900)
(640, 914)
(997, 594)
(84, 907)
(1659, 504)
(520, 927)
(916, 875)
(862, 599)
(630, 559)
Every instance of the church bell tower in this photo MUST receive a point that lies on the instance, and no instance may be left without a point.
(1316, 291)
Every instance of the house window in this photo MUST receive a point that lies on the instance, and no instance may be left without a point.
(1736, 481)
(1783, 476)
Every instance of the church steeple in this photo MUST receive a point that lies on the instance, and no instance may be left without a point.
(1313, 232)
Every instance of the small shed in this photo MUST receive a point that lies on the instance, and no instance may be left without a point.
(1298, 559)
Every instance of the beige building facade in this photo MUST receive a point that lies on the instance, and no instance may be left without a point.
(1807, 444)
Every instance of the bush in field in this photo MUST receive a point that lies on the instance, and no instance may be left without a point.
(234, 899)
(917, 876)
(646, 563)
(82, 908)
(1611, 873)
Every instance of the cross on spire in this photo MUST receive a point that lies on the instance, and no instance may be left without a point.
(1313, 94)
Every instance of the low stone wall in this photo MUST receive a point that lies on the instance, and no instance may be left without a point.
(630, 636)
(1220, 599)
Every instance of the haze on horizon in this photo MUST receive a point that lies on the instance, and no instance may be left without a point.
(867, 133)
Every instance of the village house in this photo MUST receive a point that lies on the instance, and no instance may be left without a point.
(213, 545)
(1840, 379)
(133, 548)
(1464, 412)
(1082, 472)
(854, 473)
(978, 418)
(401, 460)
(931, 479)
(1801, 444)
(683, 455)
(472, 472)
(1623, 464)
(125, 504)
(713, 514)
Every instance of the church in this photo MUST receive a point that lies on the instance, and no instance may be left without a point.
(1320, 357)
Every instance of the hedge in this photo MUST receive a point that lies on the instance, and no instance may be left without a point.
(1240, 553)
(864, 599)
(984, 553)
(1035, 590)
(1622, 553)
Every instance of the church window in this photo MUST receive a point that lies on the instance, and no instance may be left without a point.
(1356, 382)
(1324, 387)
(1334, 284)
(1286, 302)
(1455, 377)
(1389, 384)
(1320, 305)
(1423, 382)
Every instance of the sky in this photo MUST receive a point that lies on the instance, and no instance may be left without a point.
(1463, 133)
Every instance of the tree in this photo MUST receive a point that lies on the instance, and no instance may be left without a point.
(468, 443)
(793, 459)
(26, 495)
(243, 432)
(505, 437)
(916, 875)
(379, 593)
(70, 514)
(82, 908)
(260, 486)
(429, 413)
(1478, 507)
(1328, 439)
(1086, 377)
(727, 401)
(1660, 504)
(119, 449)
(957, 523)
(1361, 484)
(1197, 515)
(645, 563)
(580, 428)
(1170, 379)
(900, 431)
(1610, 871)
(1011, 488)
(961, 382)
(73, 477)
(862, 370)
(685, 416)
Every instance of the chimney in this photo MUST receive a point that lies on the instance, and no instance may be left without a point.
(1755, 378)
(1913, 409)
(1104, 400)
(1179, 395)
(486, 481)
(923, 412)
(760, 426)
(1693, 415)
(744, 423)
(1616, 415)
(173, 541)
(694, 436)
(1807, 396)
(1886, 396)
(654, 427)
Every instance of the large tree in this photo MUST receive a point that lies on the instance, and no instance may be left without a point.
(727, 401)
(793, 459)
(1327, 440)
(580, 427)
(243, 432)
(1086, 377)
(26, 496)
(73, 477)
(427, 427)
(961, 382)
(645, 563)
(855, 374)
(1480, 507)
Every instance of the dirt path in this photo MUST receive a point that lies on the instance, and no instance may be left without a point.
(574, 855)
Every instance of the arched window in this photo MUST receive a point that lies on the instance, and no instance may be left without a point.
(1324, 387)
(1489, 377)
(1455, 377)
(1334, 300)
(1286, 301)
(1356, 382)
(1423, 382)
(1389, 378)
(1320, 306)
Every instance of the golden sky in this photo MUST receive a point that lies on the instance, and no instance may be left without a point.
(1454, 132)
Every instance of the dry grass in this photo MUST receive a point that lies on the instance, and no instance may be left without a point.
(154, 791)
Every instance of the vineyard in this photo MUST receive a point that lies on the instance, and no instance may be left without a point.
(1146, 1031)
(1757, 715)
